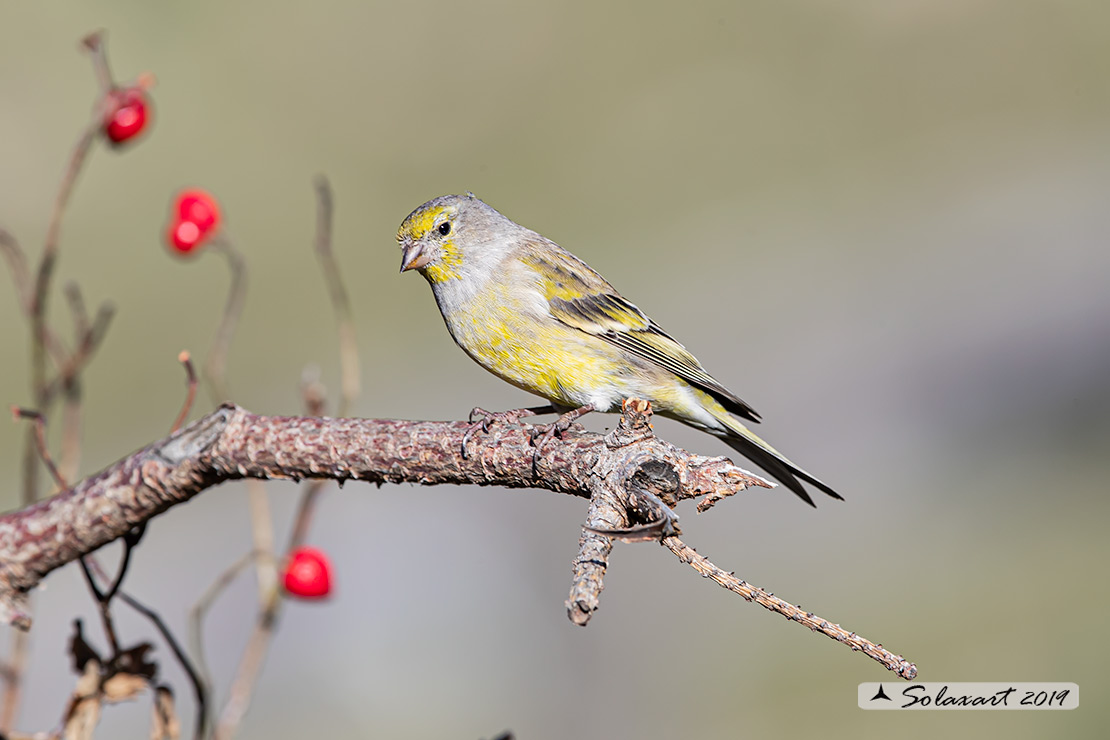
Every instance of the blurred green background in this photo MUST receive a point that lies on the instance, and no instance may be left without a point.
(884, 224)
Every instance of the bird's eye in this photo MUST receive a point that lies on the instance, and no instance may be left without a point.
(445, 228)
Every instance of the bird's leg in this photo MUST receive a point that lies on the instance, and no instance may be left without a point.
(512, 416)
(542, 433)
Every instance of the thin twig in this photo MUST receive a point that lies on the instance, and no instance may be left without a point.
(13, 679)
(39, 330)
(130, 540)
(94, 43)
(103, 604)
(12, 672)
(199, 691)
(69, 179)
(262, 528)
(221, 583)
(200, 610)
(262, 537)
(190, 394)
(702, 565)
(303, 520)
(69, 459)
(21, 277)
(77, 308)
(258, 644)
(50, 255)
(315, 401)
(17, 265)
(215, 366)
(39, 430)
(242, 688)
(41, 289)
(43, 341)
(340, 301)
(90, 564)
(261, 520)
(87, 346)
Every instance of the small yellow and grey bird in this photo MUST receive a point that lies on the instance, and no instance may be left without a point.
(540, 318)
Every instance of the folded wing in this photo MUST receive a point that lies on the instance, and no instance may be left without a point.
(582, 299)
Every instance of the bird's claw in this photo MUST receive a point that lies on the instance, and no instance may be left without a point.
(541, 434)
(488, 418)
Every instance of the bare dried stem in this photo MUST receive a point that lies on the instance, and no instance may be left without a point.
(199, 693)
(39, 430)
(50, 253)
(17, 265)
(13, 678)
(77, 307)
(21, 277)
(69, 459)
(215, 366)
(250, 665)
(103, 603)
(34, 299)
(94, 44)
(215, 369)
(341, 303)
(262, 530)
(258, 644)
(262, 538)
(190, 394)
(701, 564)
(200, 610)
(74, 363)
(38, 298)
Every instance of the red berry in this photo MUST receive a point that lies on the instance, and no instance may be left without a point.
(128, 110)
(308, 573)
(184, 236)
(199, 207)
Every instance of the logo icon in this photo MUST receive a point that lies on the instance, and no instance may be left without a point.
(880, 694)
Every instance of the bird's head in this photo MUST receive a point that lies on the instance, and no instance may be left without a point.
(452, 236)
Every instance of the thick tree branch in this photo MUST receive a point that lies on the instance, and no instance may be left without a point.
(232, 443)
(631, 477)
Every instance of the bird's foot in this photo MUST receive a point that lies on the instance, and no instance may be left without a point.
(543, 433)
(487, 418)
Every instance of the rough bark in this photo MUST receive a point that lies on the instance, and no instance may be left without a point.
(232, 443)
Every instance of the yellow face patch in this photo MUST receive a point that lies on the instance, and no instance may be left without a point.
(422, 227)
(420, 222)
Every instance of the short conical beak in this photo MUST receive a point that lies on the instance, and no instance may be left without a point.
(412, 257)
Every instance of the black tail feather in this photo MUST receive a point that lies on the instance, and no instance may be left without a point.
(782, 470)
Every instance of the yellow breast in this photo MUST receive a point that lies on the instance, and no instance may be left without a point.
(536, 353)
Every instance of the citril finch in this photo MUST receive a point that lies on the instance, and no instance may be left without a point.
(537, 316)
